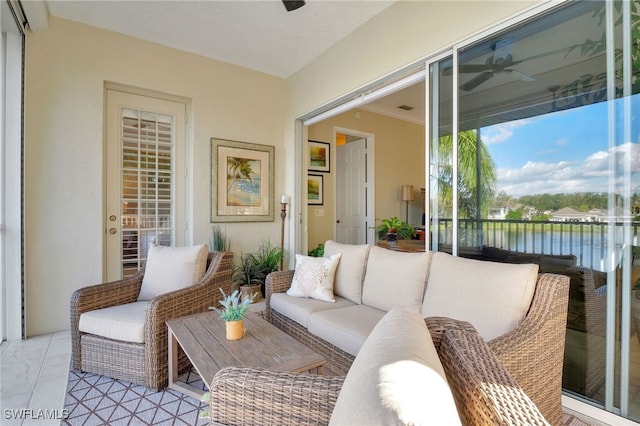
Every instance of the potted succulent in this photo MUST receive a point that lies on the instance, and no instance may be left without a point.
(393, 228)
(233, 311)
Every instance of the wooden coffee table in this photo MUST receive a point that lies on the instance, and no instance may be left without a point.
(202, 337)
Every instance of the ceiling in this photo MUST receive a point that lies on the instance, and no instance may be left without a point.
(256, 34)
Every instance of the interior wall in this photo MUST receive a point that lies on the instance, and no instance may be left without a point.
(399, 160)
(66, 69)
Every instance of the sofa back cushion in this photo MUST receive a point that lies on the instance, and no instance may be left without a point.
(494, 297)
(394, 278)
(350, 272)
(396, 378)
(172, 268)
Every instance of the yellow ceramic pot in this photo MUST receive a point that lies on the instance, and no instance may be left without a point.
(235, 330)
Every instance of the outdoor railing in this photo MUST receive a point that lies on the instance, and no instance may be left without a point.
(590, 242)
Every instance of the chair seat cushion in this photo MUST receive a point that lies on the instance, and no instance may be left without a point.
(121, 322)
(397, 378)
(172, 268)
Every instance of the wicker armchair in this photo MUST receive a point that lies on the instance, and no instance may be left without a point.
(484, 392)
(533, 353)
(142, 363)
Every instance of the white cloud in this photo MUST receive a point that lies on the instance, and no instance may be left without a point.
(590, 175)
(502, 132)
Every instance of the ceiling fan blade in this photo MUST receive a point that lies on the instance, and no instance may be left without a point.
(473, 68)
(522, 76)
(292, 4)
(476, 81)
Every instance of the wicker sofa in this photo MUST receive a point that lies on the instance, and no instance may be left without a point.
(402, 375)
(144, 363)
(531, 350)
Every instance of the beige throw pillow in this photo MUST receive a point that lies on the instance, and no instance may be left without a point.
(313, 277)
(172, 268)
(351, 270)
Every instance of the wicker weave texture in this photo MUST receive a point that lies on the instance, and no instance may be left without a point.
(149, 360)
(484, 392)
(532, 353)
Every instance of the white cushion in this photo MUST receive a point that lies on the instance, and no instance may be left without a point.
(350, 272)
(494, 297)
(299, 309)
(121, 322)
(172, 268)
(313, 277)
(346, 328)
(396, 378)
(394, 278)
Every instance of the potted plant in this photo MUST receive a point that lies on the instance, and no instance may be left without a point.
(251, 272)
(233, 311)
(393, 228)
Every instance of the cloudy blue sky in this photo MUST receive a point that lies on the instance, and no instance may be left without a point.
(563, 152)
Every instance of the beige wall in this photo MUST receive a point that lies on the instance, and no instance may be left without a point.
(399, 159)
(67, 66)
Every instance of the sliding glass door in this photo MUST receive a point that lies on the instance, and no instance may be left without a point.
(534, 156)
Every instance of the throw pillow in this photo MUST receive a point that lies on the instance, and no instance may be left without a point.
(172, 268)
(314, 277)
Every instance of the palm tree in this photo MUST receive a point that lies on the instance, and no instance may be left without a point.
(238, 168)
(474, 197)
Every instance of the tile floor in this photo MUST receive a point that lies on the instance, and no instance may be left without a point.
(33, 379)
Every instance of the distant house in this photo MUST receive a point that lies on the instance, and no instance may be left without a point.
(567, 214)
(498, 213)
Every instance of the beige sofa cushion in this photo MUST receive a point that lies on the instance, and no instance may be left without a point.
(345, 328)
(299, 309)
(172, 268)
(350, 272)
(394, 278)
(397, 378)
(121, 322)
(494, 297)
(314, 277)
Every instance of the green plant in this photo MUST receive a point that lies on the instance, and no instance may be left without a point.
(404, 230)
(318, 251)
(219, 240)
(253, 268)
(234, 308)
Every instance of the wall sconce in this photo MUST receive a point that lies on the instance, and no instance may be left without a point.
(407, 196)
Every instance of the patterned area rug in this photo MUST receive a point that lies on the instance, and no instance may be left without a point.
(94, 400)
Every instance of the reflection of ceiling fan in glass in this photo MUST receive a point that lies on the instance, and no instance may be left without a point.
(500, 62)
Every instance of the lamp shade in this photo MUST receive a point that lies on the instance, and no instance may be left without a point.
(407, 193)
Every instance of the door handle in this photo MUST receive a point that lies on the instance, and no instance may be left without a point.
(338, 221)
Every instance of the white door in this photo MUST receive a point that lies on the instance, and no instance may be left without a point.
(351, 192)
(145, 144)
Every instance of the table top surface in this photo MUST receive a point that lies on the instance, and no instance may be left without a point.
(203, 339)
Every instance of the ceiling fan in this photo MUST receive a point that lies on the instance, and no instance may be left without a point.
(500, 62)
(292, 4)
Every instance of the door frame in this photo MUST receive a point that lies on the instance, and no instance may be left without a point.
(184, 232)
(370, 176)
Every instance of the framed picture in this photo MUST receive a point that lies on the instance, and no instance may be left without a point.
(315, 190)
(241, 181)
(319, 156)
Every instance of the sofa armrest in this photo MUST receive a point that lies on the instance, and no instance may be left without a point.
(438, 326)
(540, 335)
(276, 282)
(484, 391)
(248, 396)
(97, 297)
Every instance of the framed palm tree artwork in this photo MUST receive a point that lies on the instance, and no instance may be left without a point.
(241, 181)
